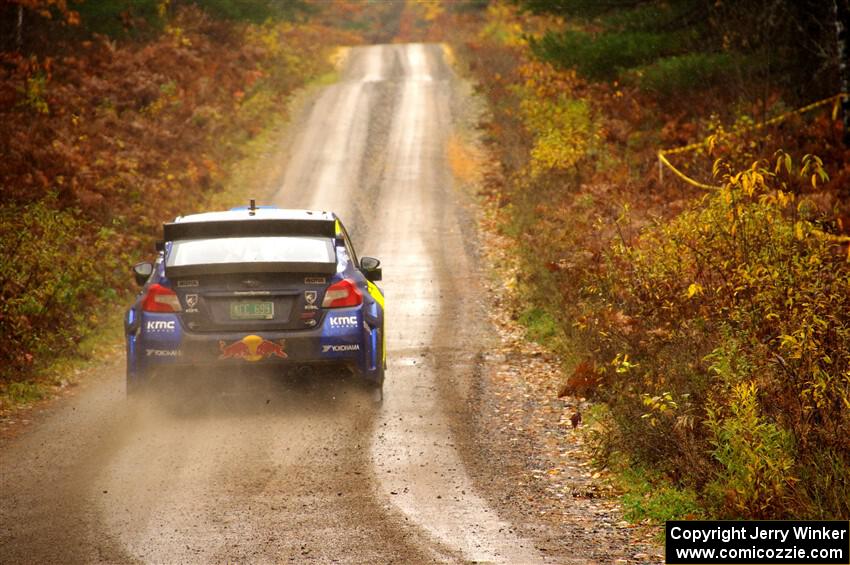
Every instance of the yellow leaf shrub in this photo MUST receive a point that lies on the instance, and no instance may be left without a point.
(743, 317)
(561, 126)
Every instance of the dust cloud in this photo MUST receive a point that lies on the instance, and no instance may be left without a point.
(227, 458)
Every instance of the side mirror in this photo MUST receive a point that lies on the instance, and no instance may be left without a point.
(160, 246)
(371, 268)
(142, 272)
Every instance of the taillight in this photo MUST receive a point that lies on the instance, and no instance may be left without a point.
(343, 293)
(160, 299)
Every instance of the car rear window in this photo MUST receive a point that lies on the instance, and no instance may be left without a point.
(264, 249)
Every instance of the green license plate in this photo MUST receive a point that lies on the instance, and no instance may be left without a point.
(251, 310)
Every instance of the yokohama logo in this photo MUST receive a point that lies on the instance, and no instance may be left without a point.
(164, 352)
(339, 348)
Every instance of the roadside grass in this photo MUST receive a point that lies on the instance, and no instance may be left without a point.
(100, 345)
(652, 500)
(647, 497)
(539, 303)
(541, 326)
(330, 77)
(252, 176)
(22, 393)
(464, 159)
(259, 172)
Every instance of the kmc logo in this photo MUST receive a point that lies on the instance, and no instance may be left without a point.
(161, 326)
(343, 321)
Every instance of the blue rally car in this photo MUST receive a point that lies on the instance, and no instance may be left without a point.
(256, 285)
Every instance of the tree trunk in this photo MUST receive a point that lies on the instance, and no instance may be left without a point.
(19, 29)
(842, 23)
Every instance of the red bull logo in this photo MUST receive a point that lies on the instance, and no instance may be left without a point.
(252, 348)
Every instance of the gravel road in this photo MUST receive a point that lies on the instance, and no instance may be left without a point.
(275, 472)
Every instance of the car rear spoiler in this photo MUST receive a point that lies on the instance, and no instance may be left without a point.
(249, 227)
(179, 271)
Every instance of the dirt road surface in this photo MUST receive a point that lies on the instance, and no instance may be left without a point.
(286, 472)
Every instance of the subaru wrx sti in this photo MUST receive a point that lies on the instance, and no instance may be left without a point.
(256, 286)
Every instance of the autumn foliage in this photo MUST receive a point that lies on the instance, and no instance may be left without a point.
(734, 319)
(713, 323)
(103, 140)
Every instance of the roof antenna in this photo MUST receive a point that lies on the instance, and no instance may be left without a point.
(252, 209)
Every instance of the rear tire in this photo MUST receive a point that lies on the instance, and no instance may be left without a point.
(138, 384)
(375, 392)
(375, 383)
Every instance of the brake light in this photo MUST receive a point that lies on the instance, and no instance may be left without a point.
(343, 293)
(160, 299)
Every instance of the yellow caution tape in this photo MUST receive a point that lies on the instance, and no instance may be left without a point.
(840, 239)
(782, 117)
(830, 236)
(686, 148)
(664, 162)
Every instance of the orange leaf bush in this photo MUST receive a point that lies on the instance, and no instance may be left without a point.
(106, 141)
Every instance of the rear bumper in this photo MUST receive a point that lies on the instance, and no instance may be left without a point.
(344, 337)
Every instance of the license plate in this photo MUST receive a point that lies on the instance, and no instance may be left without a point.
(251, 310)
